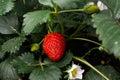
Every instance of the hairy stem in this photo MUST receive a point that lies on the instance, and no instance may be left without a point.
(78, 29)
(60, 22)
(48, 24)
(40, 41)
(73, 10)
(89, 51)
(84, 39)
(59, 18)
(41, 64)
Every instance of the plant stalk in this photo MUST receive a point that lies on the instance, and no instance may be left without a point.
(89, 51)
(48, 24)
(78, 29)
(40, 41)
(84, 39)
(74, 10)
(60, 22)
(59, 18)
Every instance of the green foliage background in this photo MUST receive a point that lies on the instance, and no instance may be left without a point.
(24, 22)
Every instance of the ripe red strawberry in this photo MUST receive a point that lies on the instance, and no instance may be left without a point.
(54, 46)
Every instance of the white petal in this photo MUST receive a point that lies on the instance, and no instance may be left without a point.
(70, 76)
(81, 71)
(74, 66)
(101, 6)
(79, 76)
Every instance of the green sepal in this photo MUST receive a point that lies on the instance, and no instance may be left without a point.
(90, 9)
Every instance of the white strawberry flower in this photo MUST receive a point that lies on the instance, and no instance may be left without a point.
(75, 72)
(101, 6)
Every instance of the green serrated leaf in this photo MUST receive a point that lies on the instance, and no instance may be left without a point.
(7, 72)
(109, 31)
(24, 63)
(67, 4)
(13, 44)
(7, 22)
(109, 71)
(38, 29)
(32, 19)
(114, 7)
(6, 6)
(49, 73)
(66, 60)
(2, 53)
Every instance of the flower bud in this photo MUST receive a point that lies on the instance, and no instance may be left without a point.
(34, 47)
(91, 8)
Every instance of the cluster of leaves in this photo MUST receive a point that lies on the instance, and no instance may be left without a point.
(24, 22)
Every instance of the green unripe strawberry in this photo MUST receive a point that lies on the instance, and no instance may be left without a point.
(34, 47)
(90, 9)
(54, 45)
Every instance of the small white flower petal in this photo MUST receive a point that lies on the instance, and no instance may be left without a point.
(70, 76)
(79, 76)
(80, 71)
(74, 66)
(75, 72)
(101, 6)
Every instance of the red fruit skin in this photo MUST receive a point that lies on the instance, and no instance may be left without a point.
(54, 45)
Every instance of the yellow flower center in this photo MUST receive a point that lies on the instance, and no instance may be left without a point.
(74, 72)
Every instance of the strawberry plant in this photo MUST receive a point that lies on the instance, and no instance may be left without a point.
(59, 39)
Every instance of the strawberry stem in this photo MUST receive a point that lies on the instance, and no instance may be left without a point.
(41, 64)
(60, 22)
(40, 41)
(82, 25)
(59, 18)
(84, 39)
(90, 51)
(50, 30)
(67, 11)
(73, 10)
(49, 24)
